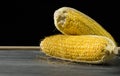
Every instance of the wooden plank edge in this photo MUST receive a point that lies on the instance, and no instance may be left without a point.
(19, 47)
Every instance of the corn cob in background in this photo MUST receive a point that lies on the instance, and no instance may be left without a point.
(84, 48)
(73, 22)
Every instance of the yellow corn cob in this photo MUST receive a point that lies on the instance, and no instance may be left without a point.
(85, 48)
(73, 22)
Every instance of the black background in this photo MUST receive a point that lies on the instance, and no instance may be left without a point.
(28, 22)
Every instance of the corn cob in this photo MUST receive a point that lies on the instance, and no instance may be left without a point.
(73, 22)
(85, 48)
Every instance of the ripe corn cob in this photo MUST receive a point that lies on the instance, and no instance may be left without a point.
(85, 48)
(73, 22)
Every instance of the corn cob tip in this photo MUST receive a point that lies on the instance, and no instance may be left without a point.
(117, 51)
(60, 17)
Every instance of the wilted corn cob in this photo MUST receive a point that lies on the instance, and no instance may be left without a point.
(85, 48)
(73, 22)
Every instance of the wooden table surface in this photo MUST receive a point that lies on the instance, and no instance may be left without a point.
(35, 63)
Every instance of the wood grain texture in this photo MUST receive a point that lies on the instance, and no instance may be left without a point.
(36, 63)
